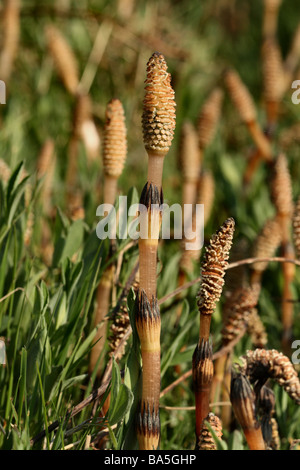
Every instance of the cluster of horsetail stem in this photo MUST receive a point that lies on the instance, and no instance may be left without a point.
(64, 59)
(158, 123)
(242, 398)
(282, 196)
(10, 37)
(114, 156)
(246, 108)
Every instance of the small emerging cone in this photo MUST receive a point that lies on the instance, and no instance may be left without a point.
(64, 58)
(296, 228)
(213, 272)
(261, 364)
(242, 398)
(209, 117)
(206, 440)
(158, 118)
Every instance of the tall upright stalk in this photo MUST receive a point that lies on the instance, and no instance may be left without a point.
(281, 191)
(158, 122)
(114, 155)
(213, 272)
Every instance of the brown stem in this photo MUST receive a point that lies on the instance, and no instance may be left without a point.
(103, 302)
(254, 438)
(110, 189)
(202, 408)
(151, 377)
(148, 264)
(155, 168)
(260, 140)
(205, 321)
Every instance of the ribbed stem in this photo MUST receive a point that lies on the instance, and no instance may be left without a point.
(148, 261)
(155, 168)
(110, 189)
(205, 321)
(202, 406)
(151, 377)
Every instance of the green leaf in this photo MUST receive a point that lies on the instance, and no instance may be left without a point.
(120, 405)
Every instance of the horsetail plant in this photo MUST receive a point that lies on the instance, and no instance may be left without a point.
(245, 106)
(213, 272)
(64, 58)
(158, 122)
(114, 156)
(281, 192)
